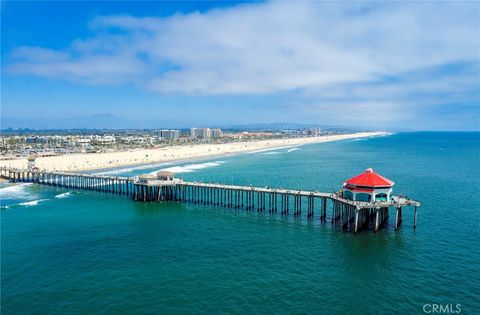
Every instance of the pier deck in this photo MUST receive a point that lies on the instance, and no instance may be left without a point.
(349, 215)
(399, 201)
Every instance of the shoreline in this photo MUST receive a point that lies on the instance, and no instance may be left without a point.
(173, 163)
(113, 169)
(112, 160)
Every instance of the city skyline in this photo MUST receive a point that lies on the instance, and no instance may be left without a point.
(411, 66)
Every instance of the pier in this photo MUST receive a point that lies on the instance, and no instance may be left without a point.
(335, 208)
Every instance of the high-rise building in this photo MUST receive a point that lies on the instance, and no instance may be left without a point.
(217, 133)
(201, 133)
(170, 134)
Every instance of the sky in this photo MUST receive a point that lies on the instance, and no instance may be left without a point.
(376, 65)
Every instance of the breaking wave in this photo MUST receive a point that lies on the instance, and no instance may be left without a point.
(189, 168)
(31, 203)
(269, 149)
(131, 169)
(270, 152)
(15, 191)
(64, 195)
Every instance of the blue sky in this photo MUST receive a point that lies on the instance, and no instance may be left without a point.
(399, 65)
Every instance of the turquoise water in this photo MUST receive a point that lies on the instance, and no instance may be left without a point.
(76, 252)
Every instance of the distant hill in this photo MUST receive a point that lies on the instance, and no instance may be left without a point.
(111, 121)
(285, 126)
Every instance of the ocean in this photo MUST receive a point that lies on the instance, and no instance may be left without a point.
(78, 252)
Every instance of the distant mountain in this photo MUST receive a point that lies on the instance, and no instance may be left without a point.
(284, 125)
(111, 121)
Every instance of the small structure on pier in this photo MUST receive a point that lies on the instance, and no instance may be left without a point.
(31, 162)
(162, 178)
(146, 178)
(165, 175)
(368, 187)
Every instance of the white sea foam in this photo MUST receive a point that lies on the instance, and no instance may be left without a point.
(189, 168)
(64, 195)
(292, 149)
(386, 134)
(270, 152)
(31, 203)
(16, 191)
(132, 168)
(261, 151)
(269, 149)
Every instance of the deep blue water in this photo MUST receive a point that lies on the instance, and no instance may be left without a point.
(90, 252)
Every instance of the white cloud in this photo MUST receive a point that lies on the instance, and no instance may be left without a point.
(39, 54)
(263, 48)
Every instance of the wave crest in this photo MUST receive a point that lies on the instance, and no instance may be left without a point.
(64, 195)
(16, 191)
(189, 168)
(31, 203)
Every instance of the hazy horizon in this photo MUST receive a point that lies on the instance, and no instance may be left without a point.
(110, 121)
(393, 66)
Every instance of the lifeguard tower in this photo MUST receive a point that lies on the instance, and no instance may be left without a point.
(31, 162)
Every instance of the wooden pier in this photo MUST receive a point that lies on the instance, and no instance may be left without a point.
(328, 207)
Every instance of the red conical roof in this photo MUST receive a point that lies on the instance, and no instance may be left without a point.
(370, 179)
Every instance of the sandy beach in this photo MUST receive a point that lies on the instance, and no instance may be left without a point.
(92, 161)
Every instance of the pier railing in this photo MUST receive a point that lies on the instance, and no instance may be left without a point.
(350, 215)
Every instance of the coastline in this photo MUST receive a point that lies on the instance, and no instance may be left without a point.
(101, 161)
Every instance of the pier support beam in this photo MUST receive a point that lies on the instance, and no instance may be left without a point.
(398, 219)
(415, 218)
(324, 210)
(356, 220)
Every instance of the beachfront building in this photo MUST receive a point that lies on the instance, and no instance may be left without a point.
(201, 133)
(36, 139)
(83, 143)
(368, 186)
(217, 133)
(170, 134)
(104, 140)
